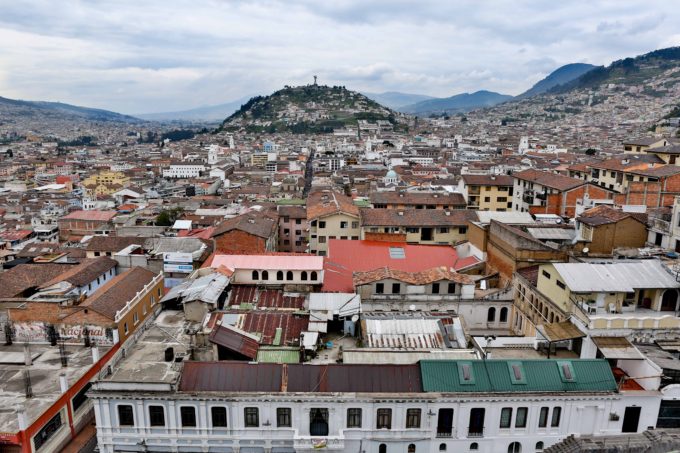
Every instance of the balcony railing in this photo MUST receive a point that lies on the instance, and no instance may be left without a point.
(444, 434)
(476, 432)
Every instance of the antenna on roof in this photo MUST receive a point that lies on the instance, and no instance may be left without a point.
(315, 80)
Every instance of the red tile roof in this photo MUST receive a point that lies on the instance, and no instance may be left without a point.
(551, 180)
(104, 216)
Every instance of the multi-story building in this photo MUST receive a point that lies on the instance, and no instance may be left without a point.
(183, 170)
(540, 192)
(331, 216)
(487, 192)
(292, 229)
(417, 226)
(417, 200)
(442, 405)
(77, 224)
(104, 183)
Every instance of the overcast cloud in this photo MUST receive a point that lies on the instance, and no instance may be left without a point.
(138, 56)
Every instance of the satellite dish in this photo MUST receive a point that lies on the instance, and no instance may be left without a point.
(355, 318)
(412, 307)
(586, 250)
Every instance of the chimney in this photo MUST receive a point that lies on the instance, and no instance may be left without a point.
(95, 354)
(28, 360)
(63, 383)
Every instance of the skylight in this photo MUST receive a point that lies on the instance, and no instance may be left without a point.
(397, 253)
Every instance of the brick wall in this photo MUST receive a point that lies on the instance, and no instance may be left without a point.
(237, 241)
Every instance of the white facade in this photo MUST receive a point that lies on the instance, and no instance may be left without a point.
(183, 171)
(579, 414)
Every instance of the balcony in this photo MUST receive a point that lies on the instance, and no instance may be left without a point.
(325, 443)
(444, 434)
(659, 224)
(476, 432)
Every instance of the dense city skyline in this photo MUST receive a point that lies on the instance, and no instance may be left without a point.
(162, 56)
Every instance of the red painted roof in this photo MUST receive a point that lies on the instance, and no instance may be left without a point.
(235, 341)
(201, 233)
(345, 257)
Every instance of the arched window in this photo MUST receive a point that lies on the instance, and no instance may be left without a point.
(491, 315)
(303, 276)
(504, 314)
(442, 447)
(279, 276)
(539, 446)
(289, 275)
(411, 448)
(552, 316)
(265, 275)
(515, 447)
(474, 446)
(382, 448)
(256, 275)
(314, 276)
(545, 312)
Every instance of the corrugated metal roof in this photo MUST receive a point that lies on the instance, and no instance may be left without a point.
(615, 277)
(564, 234)
(205, 289)
(414, 333)
(278, 355)
(354, 378)
(505, 217)
(617, 348)
(494, 376)
(230, 377)
(235, 340)
(559, 331)
(341, 304)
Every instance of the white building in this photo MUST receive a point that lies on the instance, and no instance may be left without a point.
(150, 404)
(187, 170)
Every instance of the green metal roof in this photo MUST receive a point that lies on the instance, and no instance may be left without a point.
(278, 355)
(290, 202)
(501, 376)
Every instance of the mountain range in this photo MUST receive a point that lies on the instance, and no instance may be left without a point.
(29, 109)
(206, 113)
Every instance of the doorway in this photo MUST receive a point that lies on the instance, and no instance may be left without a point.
(631, 418)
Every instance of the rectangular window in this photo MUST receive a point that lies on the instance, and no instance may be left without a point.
(545, 274)
(322, 224)
(188, 416)
(355, 225)
(156, 416)
(443, 230)
(252, 417)
(354, 417)
(452, 288)
(506, 416)
(396, 288)
(560, 284)
(413, 418)
(218, 416)
(543, 417)
(384, 419)
(126, 416)
(343, 224)
(322, 239)
(521, 417)
(462, 230)
(435, 288)
(557, 413)
(80, 398)
(47, 431)
(283, 418)
(379, 288)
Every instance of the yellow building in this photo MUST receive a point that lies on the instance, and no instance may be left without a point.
(487, 192)
(331, 216)
(105, 183)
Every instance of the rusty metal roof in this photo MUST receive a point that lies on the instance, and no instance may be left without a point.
(354, 378)
(235, 340)
(230, 377)
(275, 378)
(560, 331)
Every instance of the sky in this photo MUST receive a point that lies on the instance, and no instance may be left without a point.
(144, 56)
